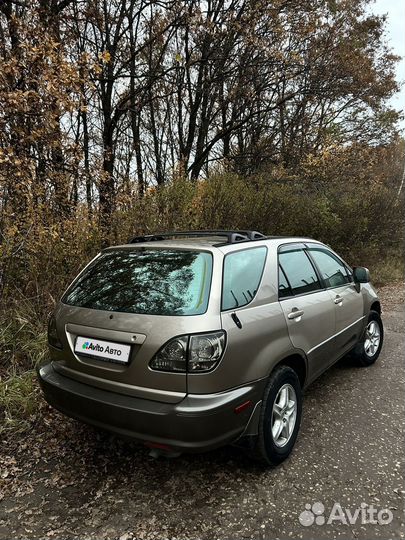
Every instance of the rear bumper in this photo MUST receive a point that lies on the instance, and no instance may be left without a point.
(197, 423)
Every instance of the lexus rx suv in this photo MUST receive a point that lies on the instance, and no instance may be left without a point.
(187, 341)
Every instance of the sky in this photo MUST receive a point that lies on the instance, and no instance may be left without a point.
(395, 34)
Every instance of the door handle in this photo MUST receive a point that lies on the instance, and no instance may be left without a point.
(338, 299)
(296, 313)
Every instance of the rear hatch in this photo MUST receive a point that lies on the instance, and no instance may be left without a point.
(123, 307)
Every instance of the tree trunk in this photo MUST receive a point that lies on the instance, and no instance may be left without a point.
(106, 187)
(87, 162)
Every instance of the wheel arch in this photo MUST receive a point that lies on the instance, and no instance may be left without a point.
(296, 362)
(376, 306)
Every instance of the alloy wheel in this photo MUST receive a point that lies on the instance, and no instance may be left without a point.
(284, 415)
(373, 337)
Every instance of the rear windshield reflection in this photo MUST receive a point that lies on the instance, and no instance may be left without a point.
(150, 281)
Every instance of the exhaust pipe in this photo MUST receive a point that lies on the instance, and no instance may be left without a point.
(158, 450)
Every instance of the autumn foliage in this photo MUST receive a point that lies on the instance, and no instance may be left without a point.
(126, 117)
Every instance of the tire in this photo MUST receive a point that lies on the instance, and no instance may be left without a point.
(364, 354)
(270, 449)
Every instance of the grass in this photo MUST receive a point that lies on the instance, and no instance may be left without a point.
(390, 270)
(18, 402)
(22, 347)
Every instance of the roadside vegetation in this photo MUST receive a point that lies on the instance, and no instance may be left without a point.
(358, 213)
(127, 117)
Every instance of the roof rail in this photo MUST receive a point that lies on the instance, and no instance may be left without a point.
(232, 237)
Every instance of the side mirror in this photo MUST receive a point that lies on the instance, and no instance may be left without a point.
(361, 274)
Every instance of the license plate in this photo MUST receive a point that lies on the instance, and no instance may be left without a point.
(105, 350)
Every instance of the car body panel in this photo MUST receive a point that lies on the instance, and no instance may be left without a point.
(349, 316)
(197, 423)
(370, 297)
(156, 330)
(312, 332)
(247, 356)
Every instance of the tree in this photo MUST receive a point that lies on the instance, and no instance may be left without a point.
(37, 87)
(105, 98)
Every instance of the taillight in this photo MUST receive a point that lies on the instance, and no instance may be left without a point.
(194, 354)
(171, 357)
(205, 351)
(53, 338)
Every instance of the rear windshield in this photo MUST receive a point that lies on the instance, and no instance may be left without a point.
(150, 281)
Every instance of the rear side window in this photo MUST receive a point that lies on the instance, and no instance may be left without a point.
(241, 276)
(299, 271)
(332, 270)
(150, 281)
(284, 288)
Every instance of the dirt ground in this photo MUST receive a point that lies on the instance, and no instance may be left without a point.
(65, 480)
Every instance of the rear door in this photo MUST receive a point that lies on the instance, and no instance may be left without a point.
(308, 308)
(346, 298)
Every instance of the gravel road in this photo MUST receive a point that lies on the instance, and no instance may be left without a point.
(65, 480)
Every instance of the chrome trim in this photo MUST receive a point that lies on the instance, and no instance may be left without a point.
(118, 336)
(134, 339)
(337, 334)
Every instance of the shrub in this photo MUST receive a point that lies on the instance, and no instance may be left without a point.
(345, 197)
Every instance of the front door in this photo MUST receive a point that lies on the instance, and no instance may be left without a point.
(346, 298)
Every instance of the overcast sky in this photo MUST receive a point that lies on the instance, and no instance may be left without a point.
(395, 10)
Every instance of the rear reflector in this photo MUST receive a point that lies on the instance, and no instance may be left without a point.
(242, 407)
(157, 445)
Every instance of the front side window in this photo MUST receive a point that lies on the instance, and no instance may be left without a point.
(241, 276)
(299, 271)
(332, 270)
(144, 280)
